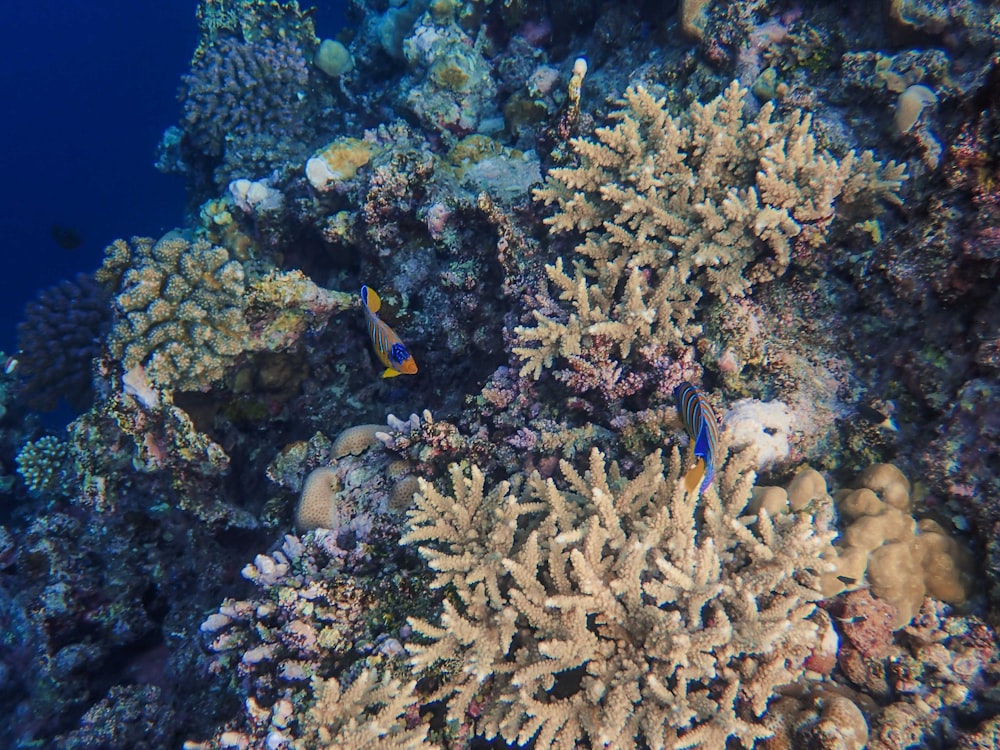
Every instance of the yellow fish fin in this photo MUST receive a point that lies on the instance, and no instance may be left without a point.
(694, 475)
(390, 373)
(372, 299)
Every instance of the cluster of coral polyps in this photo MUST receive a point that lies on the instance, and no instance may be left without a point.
(603, 610)
(673, 207)
(180, 309)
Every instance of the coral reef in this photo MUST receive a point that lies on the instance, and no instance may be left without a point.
(568, 208)
(372, 713)
(243, 105)
(823, 719)
(675, 207)
(185, 312)
(924, 679)
(251, 20)
(320, 605)
(903, 559)
(128, 717)
(45, 466)
(615, 609)
(336, 162)
(455, 90)
(180, 309)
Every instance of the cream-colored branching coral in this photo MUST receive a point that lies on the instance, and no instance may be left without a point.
(186, 311)
(180, 309)
(368, 715)
(671, 207)
(612, 611)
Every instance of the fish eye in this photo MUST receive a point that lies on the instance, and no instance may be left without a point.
(399, 353)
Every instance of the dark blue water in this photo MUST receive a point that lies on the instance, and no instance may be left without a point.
(87, 88)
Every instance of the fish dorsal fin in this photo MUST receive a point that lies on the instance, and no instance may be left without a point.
(370, 298)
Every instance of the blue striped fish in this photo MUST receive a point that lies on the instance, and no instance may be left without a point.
(703, 427)
(389, 348)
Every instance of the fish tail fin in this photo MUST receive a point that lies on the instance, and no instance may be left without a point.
(370, 299)
(694, 475)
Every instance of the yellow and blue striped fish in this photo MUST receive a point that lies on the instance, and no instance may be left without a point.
(389, 348)
(703, 427)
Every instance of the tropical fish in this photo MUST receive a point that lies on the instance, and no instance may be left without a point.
(389, 348)
(67, 237)
(703, 427)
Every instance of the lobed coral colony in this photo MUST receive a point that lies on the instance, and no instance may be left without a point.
(703, 442)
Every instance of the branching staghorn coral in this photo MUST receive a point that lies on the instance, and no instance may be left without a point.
(615, 611)
(369, 715)
(671, 207)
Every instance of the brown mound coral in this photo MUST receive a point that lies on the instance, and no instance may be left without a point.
(361, 481)
(902, 559)
(823, 719)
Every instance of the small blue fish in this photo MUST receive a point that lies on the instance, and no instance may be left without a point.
(703, 427)
(389, 348)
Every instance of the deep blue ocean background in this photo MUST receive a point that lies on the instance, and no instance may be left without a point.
(87, 88)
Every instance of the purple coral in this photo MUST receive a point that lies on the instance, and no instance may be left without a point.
(245, 103)
(596, 369)
(62, 332)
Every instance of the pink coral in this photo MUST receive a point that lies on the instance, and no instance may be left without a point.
(866, 623)
(672, 366)
(596, 370)
(437, 219)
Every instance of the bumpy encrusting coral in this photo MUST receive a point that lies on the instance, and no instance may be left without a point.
(180, 309)
(672, 207)
(58, 339)
(243, 103)
(615, 611)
